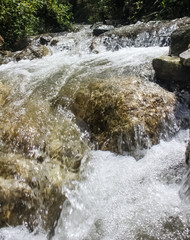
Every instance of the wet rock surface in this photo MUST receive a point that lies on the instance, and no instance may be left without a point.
(39, 154)
(185, 58)
(30, 192)
(125, 115)
(98, 30)
(180, 40)
(171, 72)
(33, 51)
(153, 33)
(4, 93)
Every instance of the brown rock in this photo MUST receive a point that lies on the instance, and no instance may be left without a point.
(122, 114)
(180, 39)
(33, 51)
(30, 191)
(41, 150)
(4, 92)
(171, 72)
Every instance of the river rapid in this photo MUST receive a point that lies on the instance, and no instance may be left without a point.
(116, 197)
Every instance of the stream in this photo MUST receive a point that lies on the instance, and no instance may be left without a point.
(116, 196)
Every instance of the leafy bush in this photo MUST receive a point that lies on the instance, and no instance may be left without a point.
(129, 11)
(19, 18)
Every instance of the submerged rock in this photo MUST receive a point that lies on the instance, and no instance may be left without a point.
(123, 115)
(41, 151)
(4, 92)
(30, 192)
(39, 134)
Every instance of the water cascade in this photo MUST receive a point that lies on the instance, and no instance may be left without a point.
(130, 194)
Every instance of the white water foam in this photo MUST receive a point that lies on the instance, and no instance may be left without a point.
(117, 197)
(120, 198)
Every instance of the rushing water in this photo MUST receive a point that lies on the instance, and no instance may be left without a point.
(116, 197)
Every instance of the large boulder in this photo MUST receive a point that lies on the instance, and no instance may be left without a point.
(171, 73)
(30, 191)
(123, 115)
(180, 40)
(153, 33)
(40, 152)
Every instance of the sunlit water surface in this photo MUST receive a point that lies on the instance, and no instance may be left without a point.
(117, 197)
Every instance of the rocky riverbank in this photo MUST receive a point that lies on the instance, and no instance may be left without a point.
(44, 140)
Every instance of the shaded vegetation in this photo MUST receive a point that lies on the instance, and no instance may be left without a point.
(129, 11)
(19, 18)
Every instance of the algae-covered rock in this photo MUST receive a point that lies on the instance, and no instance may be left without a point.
(40, 152)
(122, 114)
(30, 192)
(4, 92)
(171, 72)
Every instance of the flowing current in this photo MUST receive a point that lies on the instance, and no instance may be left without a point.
(116, 197)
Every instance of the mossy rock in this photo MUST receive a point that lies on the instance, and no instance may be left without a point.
(42, 132)
(4, 93)
(123, 115)
(172, 73)
(30, 192)
(40, 152)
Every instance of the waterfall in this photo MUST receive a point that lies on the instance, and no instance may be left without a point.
(115, 197)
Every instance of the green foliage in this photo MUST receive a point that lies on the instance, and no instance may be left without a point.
(173, 8)
(129, 11)
(19, 18)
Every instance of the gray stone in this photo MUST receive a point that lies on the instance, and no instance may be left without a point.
(33, 51)
(171, 72)
(102, 29)
(180, 40)
(185, 58)
(153, 33)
